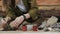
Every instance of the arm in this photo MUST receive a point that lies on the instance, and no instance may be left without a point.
(10, 16)
(32, 14)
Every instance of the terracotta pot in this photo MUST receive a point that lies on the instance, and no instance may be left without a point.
(35, 28)
(24, 28)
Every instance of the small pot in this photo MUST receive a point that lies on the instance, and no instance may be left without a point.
(24, 28)
(35, 28)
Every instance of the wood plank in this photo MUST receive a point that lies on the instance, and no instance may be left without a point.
(48, 2)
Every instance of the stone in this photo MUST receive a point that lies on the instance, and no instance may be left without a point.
(42, 25)
(52, 21)
(29, 27)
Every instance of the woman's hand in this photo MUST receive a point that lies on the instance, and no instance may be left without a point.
(4, 21)
(19, 20)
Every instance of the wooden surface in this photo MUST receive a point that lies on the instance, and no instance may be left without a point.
(48, 2)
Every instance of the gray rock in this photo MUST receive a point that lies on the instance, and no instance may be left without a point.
(52, 20)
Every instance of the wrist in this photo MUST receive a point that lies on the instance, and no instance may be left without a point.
(27, 15)
(7, 19)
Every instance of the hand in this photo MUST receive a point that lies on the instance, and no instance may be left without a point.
(2, 24)
(17, 22)
(4, 21)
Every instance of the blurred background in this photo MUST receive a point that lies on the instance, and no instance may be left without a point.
(46, 7)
